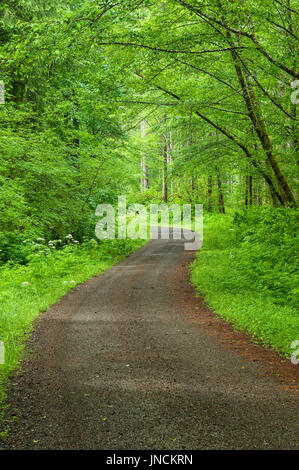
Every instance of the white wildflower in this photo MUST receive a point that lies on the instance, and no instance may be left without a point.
(69, 282)
(24, 284)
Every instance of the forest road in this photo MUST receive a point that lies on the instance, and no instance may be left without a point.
(118, 365)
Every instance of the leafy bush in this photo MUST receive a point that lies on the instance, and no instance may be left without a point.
(218, 232)
(13, 247)
(150, 196)
(247, 272)
(266, 251)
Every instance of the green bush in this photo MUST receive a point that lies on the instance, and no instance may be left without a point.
(266, 251)
(218, 232)
(247, 273)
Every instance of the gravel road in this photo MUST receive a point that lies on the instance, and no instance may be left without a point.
(118, 365)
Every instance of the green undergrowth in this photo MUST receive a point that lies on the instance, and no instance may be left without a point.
(247, 273)
(27, 290)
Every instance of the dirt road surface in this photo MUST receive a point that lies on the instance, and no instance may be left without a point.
(119, 365)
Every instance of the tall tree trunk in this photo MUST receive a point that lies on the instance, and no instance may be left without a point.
(75, 121)
(210, 193)
(262, 133)
(220, 196)
(164, 171)
(275, 194)
(259, 126)
(169, 159)
(257, 193)
(248, 190)
(143, 163)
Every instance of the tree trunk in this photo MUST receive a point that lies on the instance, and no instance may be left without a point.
(169, 159)
(220, 196)
(164, 171)
(143, 163)
(246, 190)
(260, 127)
(249, 191)
(210, 193)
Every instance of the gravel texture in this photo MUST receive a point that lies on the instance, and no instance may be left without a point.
(122, 363)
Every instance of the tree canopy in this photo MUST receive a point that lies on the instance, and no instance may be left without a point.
(175, 100)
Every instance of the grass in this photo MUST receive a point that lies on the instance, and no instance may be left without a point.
(26, 291)
(230, 292)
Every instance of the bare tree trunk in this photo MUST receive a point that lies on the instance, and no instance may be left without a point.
(143, 163)
(220, 196)
(248, 190)
(164, 172)
(257, 194)
(169, 158)
(210, 193)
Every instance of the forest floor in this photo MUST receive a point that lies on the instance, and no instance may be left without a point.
(133, 359)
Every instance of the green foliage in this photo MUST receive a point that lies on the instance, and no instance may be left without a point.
(218, 232)
(246, 272)
(80, 76)
(150, 196)
(267, 251)
(13, 247)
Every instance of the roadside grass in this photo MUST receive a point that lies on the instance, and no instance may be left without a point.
(28, 290)
(230, 289)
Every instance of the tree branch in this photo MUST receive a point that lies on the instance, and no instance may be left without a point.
(239, 33)
(210, 74)
(230, 137)
(159, 49)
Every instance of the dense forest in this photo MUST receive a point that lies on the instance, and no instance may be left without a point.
(193, 99)
(162, 101)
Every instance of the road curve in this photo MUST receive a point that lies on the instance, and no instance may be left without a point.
(117, 365)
